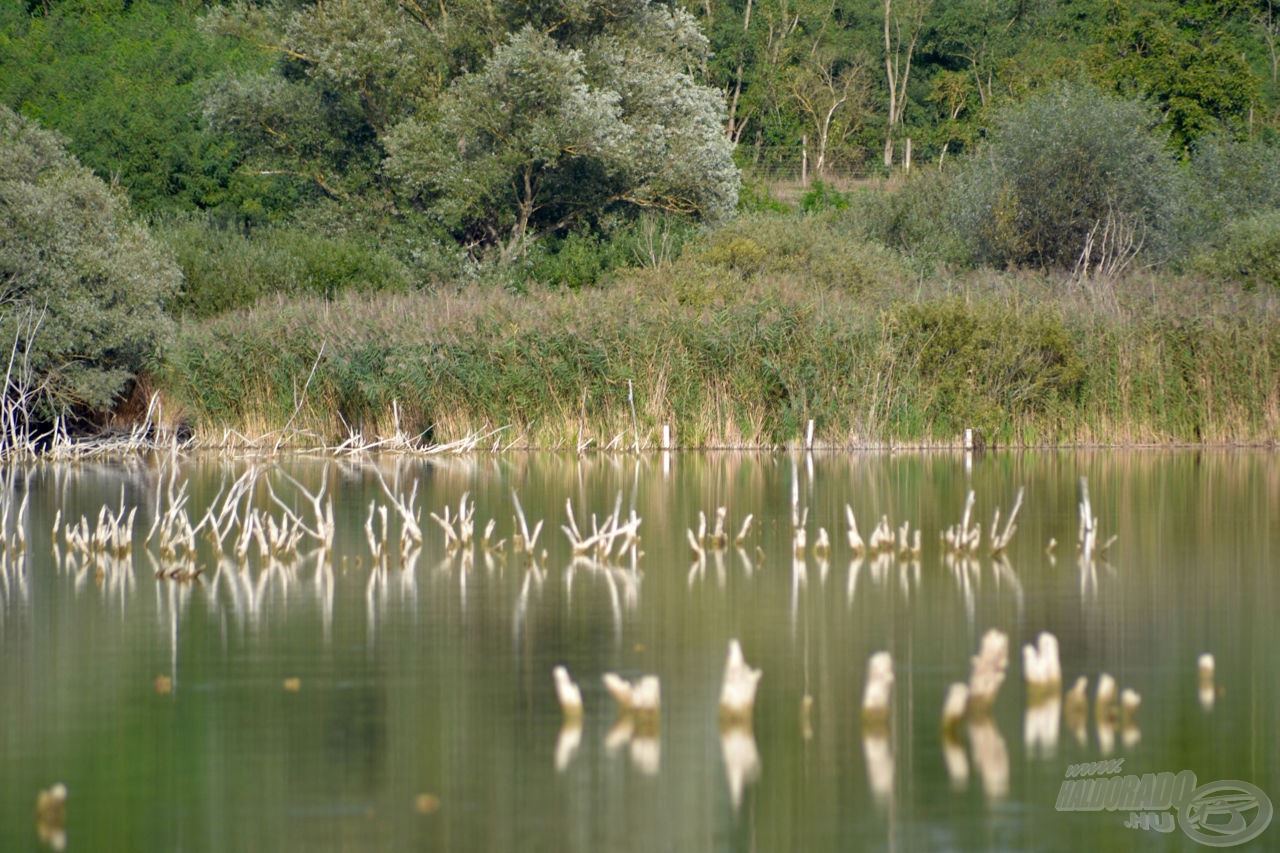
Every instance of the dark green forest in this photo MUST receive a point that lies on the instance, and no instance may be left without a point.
(213, 169)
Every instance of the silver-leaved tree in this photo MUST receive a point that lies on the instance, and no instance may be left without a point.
(502, 124)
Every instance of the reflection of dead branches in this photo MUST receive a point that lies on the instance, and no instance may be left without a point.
(741, 761)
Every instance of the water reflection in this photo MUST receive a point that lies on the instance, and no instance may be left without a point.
(424, 610)
(741, 761)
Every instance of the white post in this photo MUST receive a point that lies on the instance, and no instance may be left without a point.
(808, 436)
(666, 436)
(804, 161)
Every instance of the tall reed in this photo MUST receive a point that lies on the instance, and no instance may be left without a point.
(729, 358)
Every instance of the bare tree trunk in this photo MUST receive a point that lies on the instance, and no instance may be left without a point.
(891, 72)
(898, 51)
(524, 212)
(736, 127)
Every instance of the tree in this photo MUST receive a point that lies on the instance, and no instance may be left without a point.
(834, 96)
(902, 26)
(82, 284)
(1067, 165)
(950, 92)
(1191, 67)
(1265, 18)
(507, 144)
(505, 125)
(121, 81)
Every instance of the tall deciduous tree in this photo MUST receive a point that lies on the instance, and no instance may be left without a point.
(1183, 60)
(903, 21)
(504, 123)
(834, 96)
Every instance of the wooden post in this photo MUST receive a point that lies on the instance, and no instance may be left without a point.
(666, 436)
(804, 161)
(906, 156)
(808, 436)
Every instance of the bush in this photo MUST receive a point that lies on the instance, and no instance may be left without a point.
(226, 268)
(1028, 364)
(576, 261)
(1228, 180)
(1246, 252)
(822, 196)
(84, 285)
(917, 219)
(827, 251)
(1060, 163)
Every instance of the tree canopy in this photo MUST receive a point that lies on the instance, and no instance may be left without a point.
(555, 116)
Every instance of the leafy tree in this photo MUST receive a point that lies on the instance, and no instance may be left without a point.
(503, 125)
(1068, 164)
(506, 143)
(82, 285)
(1183, 59)
(903, 22)
(121, 81)
(832, 94)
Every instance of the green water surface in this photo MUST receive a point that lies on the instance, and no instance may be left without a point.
(423, 714)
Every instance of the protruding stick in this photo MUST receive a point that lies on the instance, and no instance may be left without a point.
(877, 693)
(738, 688)
(988, 671)
(568, 694)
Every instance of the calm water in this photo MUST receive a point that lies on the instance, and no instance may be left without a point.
(423, 713)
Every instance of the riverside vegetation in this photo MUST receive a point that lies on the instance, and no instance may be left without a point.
(1092, 255)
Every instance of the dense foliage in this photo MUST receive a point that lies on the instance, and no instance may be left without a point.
(82, 285)
(1067, 166)
(729, 356)
(559, 118)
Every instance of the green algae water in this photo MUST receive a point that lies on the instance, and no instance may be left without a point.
(326, 702)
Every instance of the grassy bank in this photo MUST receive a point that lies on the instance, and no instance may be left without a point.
(734, 348)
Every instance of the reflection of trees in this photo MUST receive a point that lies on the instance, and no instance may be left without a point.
(451, 650)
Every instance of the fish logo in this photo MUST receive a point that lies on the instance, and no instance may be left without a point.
(1225, 813)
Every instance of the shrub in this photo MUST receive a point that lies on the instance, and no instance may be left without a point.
(1246, 252)
(1057, 165)
(827, 251)
(982, 366)
(822, 196)
(83, 284)
(576, 261)
(226, 268)
(917, 219)
(1228, 180)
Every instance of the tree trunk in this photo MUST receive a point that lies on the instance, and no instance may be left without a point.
(891, 72)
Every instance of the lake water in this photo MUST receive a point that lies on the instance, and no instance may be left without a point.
(327, 704)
